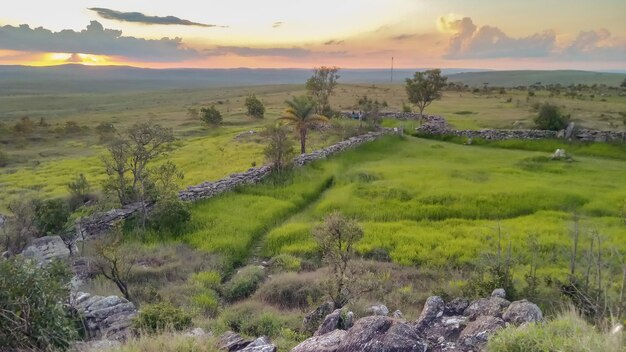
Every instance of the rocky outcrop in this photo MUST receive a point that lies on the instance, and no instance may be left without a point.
(457, 325)
(330, 323)
(46, 249)
(103, 222)
(314, 318)
(233, 342)
(262, 344)
(379, 309)
(105, 317)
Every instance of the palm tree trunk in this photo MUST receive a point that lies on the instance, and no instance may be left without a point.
(302, 141)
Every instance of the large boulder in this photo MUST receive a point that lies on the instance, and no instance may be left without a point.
(478, 331)
(105, 317)
(231, 341)
(323, 343)
(330, 323)
(262, 344)
(46, 249)
(456, 307)
(492, 306)
(314, 318)
(521, 312)
(378, 309)
(433, 309)
(382, 334)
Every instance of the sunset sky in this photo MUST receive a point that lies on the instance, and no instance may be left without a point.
(530, 34)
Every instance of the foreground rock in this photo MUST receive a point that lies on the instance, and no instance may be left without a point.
(46, 249)
(233, 342)
(454, 326)
(107, 318)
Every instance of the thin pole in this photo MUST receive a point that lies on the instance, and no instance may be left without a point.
(392, 69)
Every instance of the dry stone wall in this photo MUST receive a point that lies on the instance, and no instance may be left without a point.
(102, 222)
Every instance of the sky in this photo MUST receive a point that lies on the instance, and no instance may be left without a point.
(530, 34)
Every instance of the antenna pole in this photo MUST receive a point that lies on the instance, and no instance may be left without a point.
(392, 69)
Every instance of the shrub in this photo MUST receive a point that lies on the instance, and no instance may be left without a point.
(551, 118)
(291, 290)
(161, 317)
(51, 216)
(211, 116)
(280, 150)
(253, 319)
(285, 262)
(206, 279)
(79, 191)
(244, 283)
(255, 107)
(170, 215)
(71, 127)
(24, 126)
(207, 302)
(566, 332)
(32, 303)
(168, 342)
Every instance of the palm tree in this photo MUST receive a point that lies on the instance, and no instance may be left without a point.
(301, 114)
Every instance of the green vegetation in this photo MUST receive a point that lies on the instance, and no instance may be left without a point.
(301, 114)
(550, 118)
(425, 87)
(161, 317)
(255, 107)
(211, 116)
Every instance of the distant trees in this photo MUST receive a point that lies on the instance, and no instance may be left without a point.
(320, 86)
(24, 126)
(255, 107)
(301, 114)
(336, 237)
(279, 151)
(105, 131)
(425, 87)
(623, 85)
(211, 116)
(551, 118)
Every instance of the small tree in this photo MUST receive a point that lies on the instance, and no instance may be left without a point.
(279, 151)
(301, 114)
(51, 216)
(114, 262)
(24, 126)
(336, 237)
(321, 86)
(169, 213)
(255, 107)
(424, 88)
(79, 190)
(551, 118)
(211, 116)
(371, 110)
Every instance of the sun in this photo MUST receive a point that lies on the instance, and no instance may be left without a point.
(51, 59)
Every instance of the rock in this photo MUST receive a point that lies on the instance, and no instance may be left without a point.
(499, 292)
(382, 334)
(105, 317)
(324, 343)
(46, 249)
(397, 314)
(492, 306)
(521, 312)
(569, 131)
(379, 309)
(349, 322)
(96, 346)
(330, 323)
(231, 341)
(262, 344)
(433, 309)
(477, 332)
(314, 318)
(6, 255)
(559, 154)
(444, 329)
(456, 307)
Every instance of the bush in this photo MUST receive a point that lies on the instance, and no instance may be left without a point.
(4, 159)
(170, 215)
(551, 118)
(207, 302)
(79, 191)
(51, 216)
(255, 107)
(567, 332)
(291, 290)
(244, 283)
(161, 317)
(279, 150)
(285, 262)
(252, 319)
(211, 116)
(209, 280)
(32, 302)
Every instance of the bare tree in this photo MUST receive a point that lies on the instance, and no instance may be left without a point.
(114, 262)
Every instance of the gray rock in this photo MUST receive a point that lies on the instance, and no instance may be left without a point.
(105, 317)
(521, 312)
(492, 306)
(349, 322)
(330, 323)
(262, 344)
(569, 131)
(324, 343)
(445, 329)
(46, 249)
(433, 309)
(499, 292)
(379, 309)
(559, 154)
(398, 314)
(477, 332)
(314, 318)
(231, 341)
(456, 307)
(382, 334)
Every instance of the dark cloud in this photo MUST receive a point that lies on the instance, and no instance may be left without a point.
(277, 24)
(74, 59)
(95, 39)
(404, 37)
(470, 41)
(139, 17)
(335, 42)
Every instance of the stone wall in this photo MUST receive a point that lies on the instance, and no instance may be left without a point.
(437, 125)
(102, 222)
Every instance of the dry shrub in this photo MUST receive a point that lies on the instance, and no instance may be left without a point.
(292, 291)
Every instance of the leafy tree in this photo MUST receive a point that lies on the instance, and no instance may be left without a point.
(211, 116)
(255, 107)
(336, 237)
(551, 118)
(301, 114)
(321, 86)
(279, 151)
(79, 190)
(51, 216)
(33, 306)
(371, 110)
(169, 213)
(425, 87)
(117, 168)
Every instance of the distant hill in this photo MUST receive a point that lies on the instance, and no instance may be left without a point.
(525, 78)
(79, 78)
